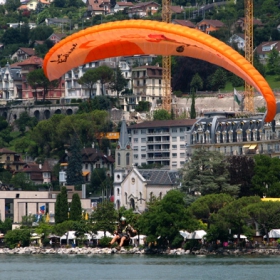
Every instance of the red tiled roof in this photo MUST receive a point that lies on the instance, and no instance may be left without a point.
(33, 60)
(23, 7)
(272, 44)
(176, 9)
(213, 22)
(59, 35)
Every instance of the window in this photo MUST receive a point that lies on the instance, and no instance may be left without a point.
(143, 148)
(174, 129)
(160, 195)
(182, 147)
(140, 197)
(143, 140)
(182, 155)
(135, 148)
(118, 191)
(174, 155)
(119, 159)
(174, 139)
(135, 131)
(127, 159)
(151, 196)
(135, 140)
(143, 156)
(86, 166)
(125, 195)
(182, 138)
(182, 163)
(174, 163)
(97, 165)
(143, 131)
(174, 147)
(135, 156)
(182, 129)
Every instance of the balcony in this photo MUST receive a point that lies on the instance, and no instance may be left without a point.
(158, 158)
(158, 141)
(158, 133)
(158, 150)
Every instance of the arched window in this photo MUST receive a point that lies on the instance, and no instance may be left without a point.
(118, 204)
(119, 159)
(140, 197)
(132, 204)
(125, 195)
(118, 191)
(160, 195)
(127, 159)
(151, 196)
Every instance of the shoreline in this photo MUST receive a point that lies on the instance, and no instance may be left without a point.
(138, 251)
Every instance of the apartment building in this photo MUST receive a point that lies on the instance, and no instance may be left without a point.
(160, 142)
(235, 136)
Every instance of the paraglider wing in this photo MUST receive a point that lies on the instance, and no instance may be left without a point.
(136, 37)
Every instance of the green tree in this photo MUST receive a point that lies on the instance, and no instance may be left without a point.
(20, 180)
(12, 5)
(165, 218)
(196, 82)
(273, 62)
(97, 180)
(265, 214)
(37, 79)
(118, 81)
(204, 207)
(11, 36)
(105, 75)
(207, 173)
(41, 32)
(24, 121)
(61, 207)
(218, 80)
(16, 236)
(88, 80)
(161, 115)
(104, 217)
(97, 103)
(6, 225)
(266, 176)
(143, 106)
(193, 112)
(241, 172)
(75, 208)
(74, 169)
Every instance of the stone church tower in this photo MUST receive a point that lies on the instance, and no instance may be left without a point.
(123, 162)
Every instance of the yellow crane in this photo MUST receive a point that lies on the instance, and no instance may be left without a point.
(248, 93)
(166, 61)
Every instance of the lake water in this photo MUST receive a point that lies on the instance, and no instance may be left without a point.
(73, 267)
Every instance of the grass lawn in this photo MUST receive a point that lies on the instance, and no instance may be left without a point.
(273, 81)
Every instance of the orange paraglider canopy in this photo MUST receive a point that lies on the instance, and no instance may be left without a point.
(136, 37)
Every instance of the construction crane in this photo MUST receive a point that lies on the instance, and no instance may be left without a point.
(166, 61)
(248, 93)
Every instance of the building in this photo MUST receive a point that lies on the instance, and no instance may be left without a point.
(238, 39)
(10, 83)
(22, 54)
(141, 186)
(120, 6)
(263, 50)
(57, 37)
(160, 142)
(92, 158)
(240, 23)
(143, 9)
(209, 25)
(235, 136)
(134, 187)
(28, 92)
(32, 4)
(146, 85)
(15, 204)
(10, 160)
(98, 7)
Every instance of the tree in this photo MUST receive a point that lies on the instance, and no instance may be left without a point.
(24, 121)
(165, 218)
(97, 180)
(41, 32)
(204, 207)
(104, 217)
(207, 173)
(218, 80)
(196, 82)
(97, 103)
(161, 114)
(266, 215)
(75, 208)
(119, 81)
(61, 207)
(88, 80)
(37, 79)
(74, 169)
(143, 106)
(273, 63)
(6, 225)
(193, 112)
(16, 236)
(266, 176)
(241, 172)
(12, 5)
(11, 36)
(105, 75)
(20, 180)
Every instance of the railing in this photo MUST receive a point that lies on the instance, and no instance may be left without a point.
(162, 141)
